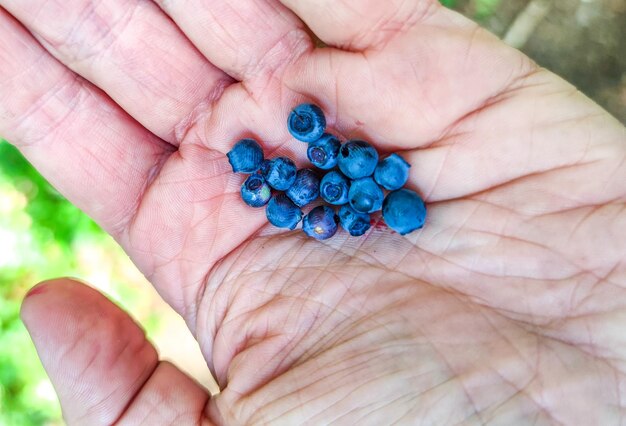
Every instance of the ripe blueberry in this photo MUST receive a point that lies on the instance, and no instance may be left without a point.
(392, 173)
(305, 189)
(283, 213)
(280, 173)
(404, 211)
(320, 223)
(255, 192)
(334, 188)
(365, 196)
(323, 152)
(306, 123)
(354, 222)
(357, 159)
(246, 156)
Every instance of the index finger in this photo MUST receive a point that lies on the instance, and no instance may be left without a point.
(132, 51)
(81, 141)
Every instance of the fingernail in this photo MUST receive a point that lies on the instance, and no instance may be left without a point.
(38, 289)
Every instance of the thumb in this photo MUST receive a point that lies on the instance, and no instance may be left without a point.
(100, 363)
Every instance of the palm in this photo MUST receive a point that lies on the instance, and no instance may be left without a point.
(497, 298)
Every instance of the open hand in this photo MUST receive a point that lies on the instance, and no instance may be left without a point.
(508, 307)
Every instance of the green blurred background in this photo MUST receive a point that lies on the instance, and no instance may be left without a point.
(43, 236)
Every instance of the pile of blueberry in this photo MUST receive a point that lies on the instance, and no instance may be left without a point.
(354, 181)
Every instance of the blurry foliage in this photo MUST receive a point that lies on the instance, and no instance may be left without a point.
(483, 9)
(53, 217)
(43, 236)
(30, 211)
(480, 9)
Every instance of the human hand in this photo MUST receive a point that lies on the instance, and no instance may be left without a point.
(506, 308)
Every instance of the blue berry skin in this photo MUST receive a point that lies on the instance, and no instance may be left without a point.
(307, 123)
(354, 222)
(404, 211)
(305, 189)
(357, 159)
(392, 173)
(255, 192)
(283, 213)
(365, 195)
(280, 173)
(323, 152)
(246, 156)
(334, 188)
(320, 223)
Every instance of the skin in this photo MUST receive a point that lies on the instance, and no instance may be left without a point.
(507, 308)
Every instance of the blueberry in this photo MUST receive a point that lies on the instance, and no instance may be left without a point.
(255, 192)
(307, 122)
(283, 213)
(320, 223)
(392, 173)
(246, 156)
(365, 196)
(305, 189)
(323, 152)
(334, 188)
(280, 173)
(354, 222)
(357, 159)
(404, 211)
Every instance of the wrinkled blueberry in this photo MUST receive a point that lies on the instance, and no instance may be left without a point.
(392, 173)
(255, 192)
(320, 223)
(246, 156)
(306, 122)
(283, 213)
(305, 189)
(354, 222)
(404, 211)
(280, 173)
(365, 195)
(357, 159)
(334, 188)
(323, 152)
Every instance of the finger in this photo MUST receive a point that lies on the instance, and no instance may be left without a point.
(133, 52)
(530, 149)
(87, 147)
(247, 39)
(360, 24)
(100, 363)
(415, 90)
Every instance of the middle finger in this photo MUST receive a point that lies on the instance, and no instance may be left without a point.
(248, 39)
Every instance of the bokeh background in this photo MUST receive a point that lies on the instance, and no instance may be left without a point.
(43, 236)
